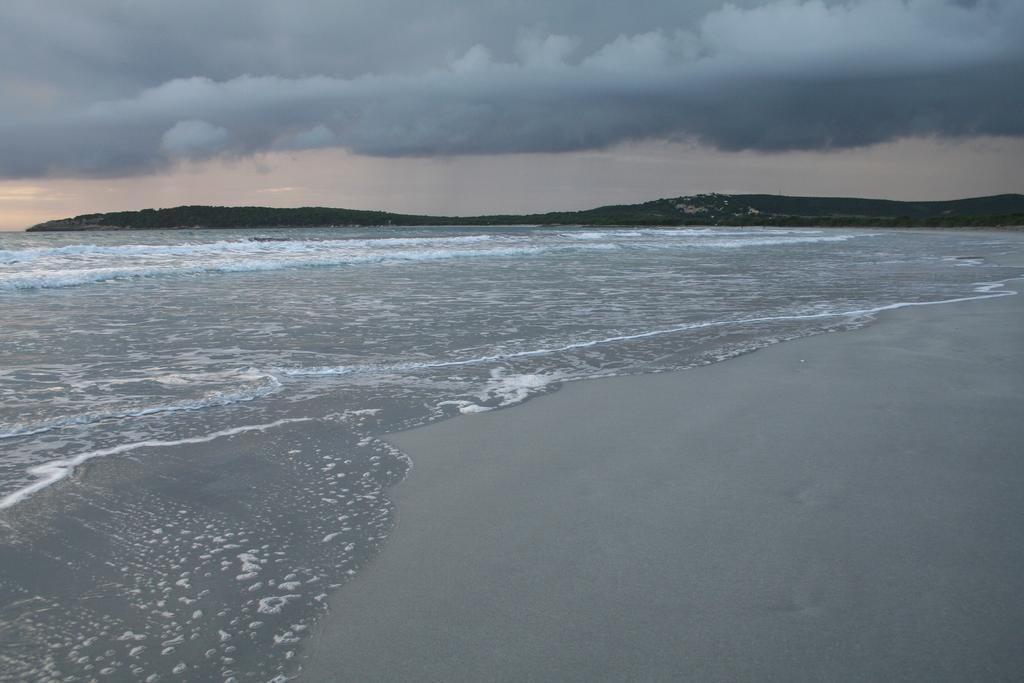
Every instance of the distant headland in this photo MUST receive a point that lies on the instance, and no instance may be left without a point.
(1006, 210)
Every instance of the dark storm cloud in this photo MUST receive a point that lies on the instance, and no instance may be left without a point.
(394, 80)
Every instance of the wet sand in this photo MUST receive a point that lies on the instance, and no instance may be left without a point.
(842, 507)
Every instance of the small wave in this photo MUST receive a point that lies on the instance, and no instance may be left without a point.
(51, 472)
(259, 387)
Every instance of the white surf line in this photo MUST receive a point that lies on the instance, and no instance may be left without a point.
(239, 246)
(985, 292)
(57, 279)
(55, 470)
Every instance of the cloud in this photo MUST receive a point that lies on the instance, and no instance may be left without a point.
(193, 138)
(770, 76)
(317, 137)
(26, 193)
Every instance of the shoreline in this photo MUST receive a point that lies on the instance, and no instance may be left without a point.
(453, 597)
(553, 226)
(54, 472)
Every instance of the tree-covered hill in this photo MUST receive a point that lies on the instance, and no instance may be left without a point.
(705, 209)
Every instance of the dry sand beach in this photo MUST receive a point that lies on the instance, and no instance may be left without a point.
(841, 507)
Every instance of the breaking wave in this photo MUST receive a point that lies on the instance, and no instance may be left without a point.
(83, 264)
(270, 260)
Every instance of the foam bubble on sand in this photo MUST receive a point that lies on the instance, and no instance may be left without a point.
(469, 408)
(250, 566)
(503, 389)
(275, 603)
(512, 389)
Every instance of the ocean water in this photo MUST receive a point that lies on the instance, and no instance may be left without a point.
(190, 422)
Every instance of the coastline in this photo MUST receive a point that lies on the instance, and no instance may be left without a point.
(994, 228)
(836, 507)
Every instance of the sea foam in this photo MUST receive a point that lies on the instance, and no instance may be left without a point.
(984, 291)
(253, 385)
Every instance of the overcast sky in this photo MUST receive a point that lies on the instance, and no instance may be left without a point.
(468, 106)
